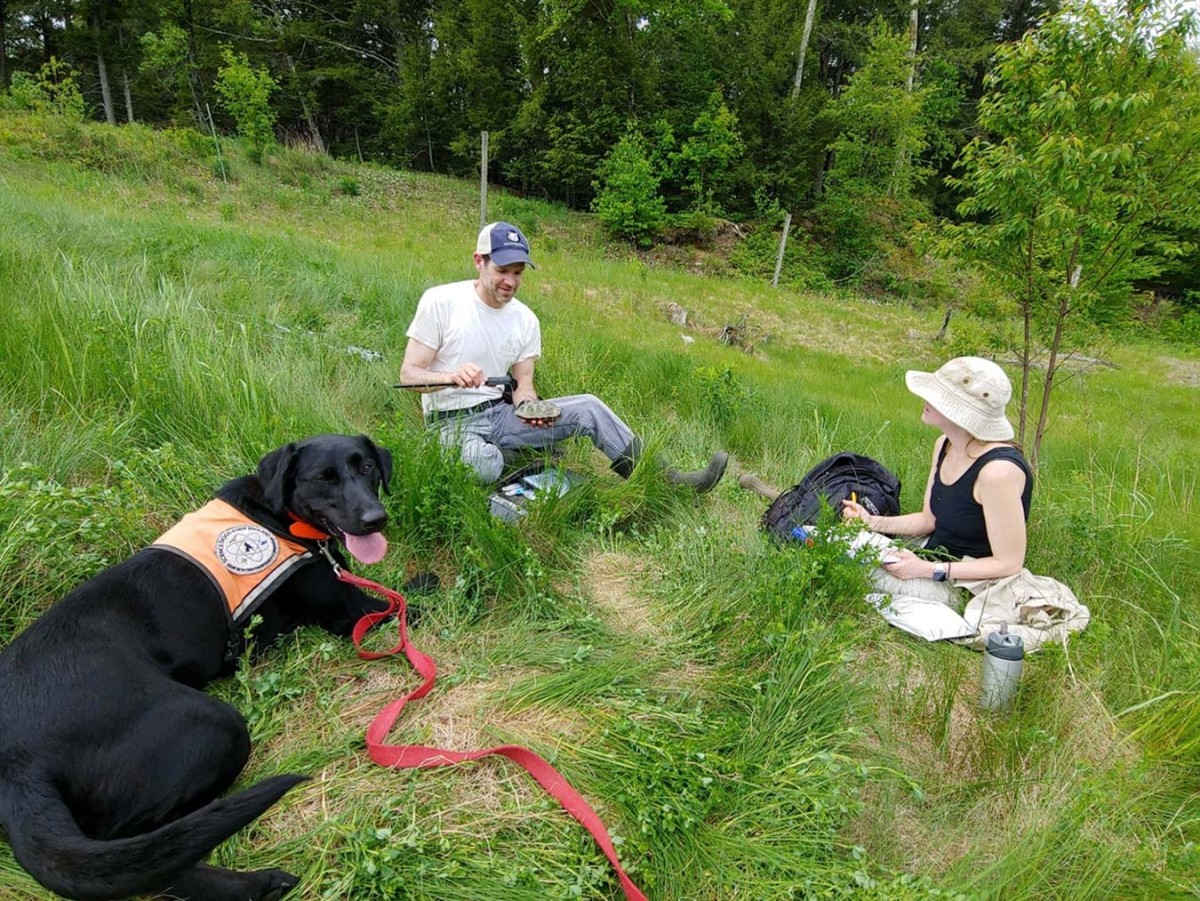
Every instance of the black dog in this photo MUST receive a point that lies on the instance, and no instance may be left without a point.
(112, 760)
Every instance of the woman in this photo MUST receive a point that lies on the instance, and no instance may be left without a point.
(979, 487)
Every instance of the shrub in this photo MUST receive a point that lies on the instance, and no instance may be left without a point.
(52, 90)
(627, 202)
(708, 159)
(246, 95)
(803, 261)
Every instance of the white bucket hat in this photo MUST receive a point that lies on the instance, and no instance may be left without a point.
(969, 391)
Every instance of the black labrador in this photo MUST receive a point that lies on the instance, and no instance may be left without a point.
(112, 759)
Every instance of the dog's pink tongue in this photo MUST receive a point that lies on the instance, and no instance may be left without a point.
(367, 548)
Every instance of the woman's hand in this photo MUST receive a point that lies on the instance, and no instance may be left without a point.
(904, 564)
(855, 510)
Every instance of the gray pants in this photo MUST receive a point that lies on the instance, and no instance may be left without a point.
(483, 436)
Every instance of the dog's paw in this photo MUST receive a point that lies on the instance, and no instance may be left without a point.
(273, 884)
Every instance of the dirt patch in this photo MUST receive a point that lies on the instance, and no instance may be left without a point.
(611, 584)
(463, 717)
(1181, 372)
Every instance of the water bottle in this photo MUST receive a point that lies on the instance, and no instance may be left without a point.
(1003, 659)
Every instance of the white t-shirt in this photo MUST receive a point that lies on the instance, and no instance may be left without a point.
(463, 329)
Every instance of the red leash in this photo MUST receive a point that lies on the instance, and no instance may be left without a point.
(404, 756)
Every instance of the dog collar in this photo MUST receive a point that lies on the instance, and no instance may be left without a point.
(307, 531)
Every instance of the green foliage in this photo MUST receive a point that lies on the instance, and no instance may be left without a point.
(165, 59)
(54, 537)
(724, 395)
(804, 261)
(641, 640)
(1090, 161)
(878, 121)
(53, 90)
(707, 160)
(867, 210)
(245, 93)
(627, 201)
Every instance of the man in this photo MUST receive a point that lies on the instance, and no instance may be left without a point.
(466, 331)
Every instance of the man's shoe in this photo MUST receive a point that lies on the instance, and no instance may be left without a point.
(703, 479)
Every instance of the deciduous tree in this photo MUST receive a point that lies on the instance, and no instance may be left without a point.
(1087, 171)
(245, 93)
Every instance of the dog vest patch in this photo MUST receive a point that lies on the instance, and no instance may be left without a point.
(243, 559)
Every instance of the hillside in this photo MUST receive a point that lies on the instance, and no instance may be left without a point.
(744, 723)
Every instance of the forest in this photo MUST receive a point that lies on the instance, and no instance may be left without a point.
(870, 126)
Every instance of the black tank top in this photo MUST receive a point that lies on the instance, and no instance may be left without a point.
(960, 530)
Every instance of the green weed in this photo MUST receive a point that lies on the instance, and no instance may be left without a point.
(747, 727)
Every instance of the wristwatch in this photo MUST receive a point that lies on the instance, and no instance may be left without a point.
(941, 571)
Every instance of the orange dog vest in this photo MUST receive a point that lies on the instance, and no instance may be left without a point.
(244, 560)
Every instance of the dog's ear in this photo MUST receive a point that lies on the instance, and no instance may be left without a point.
(276, 472)
(383, 459)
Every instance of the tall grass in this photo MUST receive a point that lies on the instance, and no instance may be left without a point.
(748, 728)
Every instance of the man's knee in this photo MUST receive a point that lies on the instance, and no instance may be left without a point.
(485, 460)
(585, 408)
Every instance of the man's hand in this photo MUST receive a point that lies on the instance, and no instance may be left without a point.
(521, 394)
(468, 375)
(414, 370)
(538, 413)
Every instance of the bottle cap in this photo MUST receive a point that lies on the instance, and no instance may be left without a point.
(1004, 646)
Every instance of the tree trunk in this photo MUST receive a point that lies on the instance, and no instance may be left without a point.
(903, 155)
(808, 24)
(913, 26)
(46, 27)
(314, 130)
(3, 44)
(128, 94)
(1064, 307)
(110, 114)
(193, 73)
(1027, 322)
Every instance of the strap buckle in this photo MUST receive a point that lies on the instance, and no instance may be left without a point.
(323, 547)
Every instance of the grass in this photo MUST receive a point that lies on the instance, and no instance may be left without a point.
(747, 728)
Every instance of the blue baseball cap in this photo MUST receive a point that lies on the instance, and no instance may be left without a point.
(504, 243)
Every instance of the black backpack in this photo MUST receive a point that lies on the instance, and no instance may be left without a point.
(834, 479)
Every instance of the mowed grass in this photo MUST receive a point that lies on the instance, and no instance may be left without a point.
(746, 726)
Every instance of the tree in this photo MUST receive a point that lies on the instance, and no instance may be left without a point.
(878, 118)
(1088, 169)
(246, 95)
(868, 208)
(707, 159)
(165, 60)
(627, 202)
(798, 80)
(53, 91)
(3, 44)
